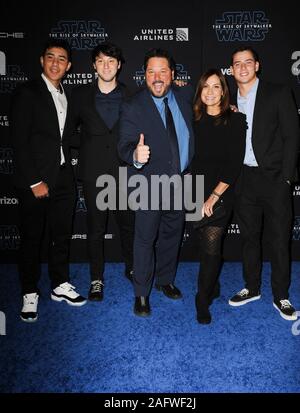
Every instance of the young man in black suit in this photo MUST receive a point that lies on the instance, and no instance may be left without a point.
(264, 188)
(157, 139)
(40, 131)
(96, 109)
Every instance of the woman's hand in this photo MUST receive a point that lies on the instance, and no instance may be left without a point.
(207, 208)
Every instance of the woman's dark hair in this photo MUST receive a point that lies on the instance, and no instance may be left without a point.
(200, 107)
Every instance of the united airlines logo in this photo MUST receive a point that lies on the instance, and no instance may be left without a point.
(179, 34)
(181, 74)
(296, 191)
(6, 162)
(233, 229)
(242, 26)
(9, 237)
(80, 207)
(76, 79)
(10, 75)
(81, 34)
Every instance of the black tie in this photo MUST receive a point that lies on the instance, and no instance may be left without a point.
(171, 131)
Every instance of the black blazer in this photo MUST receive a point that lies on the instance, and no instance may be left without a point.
(35, 135)
(140, 115)
(275, 132)
(97, 143)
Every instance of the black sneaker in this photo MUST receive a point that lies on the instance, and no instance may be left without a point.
(96, 291)
(170, 291)
(243, 297)
(285, 309)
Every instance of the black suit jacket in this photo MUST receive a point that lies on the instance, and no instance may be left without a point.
(140, 115)
(275, 131)
(36, 136)
(97, 144)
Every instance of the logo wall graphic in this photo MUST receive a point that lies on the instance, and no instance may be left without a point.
(16, 35)
(296, 229)
(81, 34)
(295, 68)
(9, 237)
(75, 79)
(10, 75)
(2, 64)
(6, 162)
(80, 207)
(180, 34)
(4, 120)
(242, 26)
(233, 229)
(296, 191)
(8, 201)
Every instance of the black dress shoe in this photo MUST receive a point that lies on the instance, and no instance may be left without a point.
(204, 318)
(203, 314)
(170, 291)
(142, 306)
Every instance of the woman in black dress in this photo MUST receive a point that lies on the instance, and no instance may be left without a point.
(220, 136)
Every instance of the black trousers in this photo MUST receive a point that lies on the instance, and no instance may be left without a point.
(55, 214)
(96, 228)
(263, 203)
(157, 240)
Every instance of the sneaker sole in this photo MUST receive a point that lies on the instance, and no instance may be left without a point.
(59, 299)
(235, 304)
(29, 320)
(286, 317)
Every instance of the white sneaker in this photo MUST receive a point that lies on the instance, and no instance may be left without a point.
(29, 309)
(66, 292)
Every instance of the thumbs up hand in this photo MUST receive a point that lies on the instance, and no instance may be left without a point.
(142, 151)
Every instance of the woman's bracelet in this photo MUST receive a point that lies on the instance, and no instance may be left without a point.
(215, 194)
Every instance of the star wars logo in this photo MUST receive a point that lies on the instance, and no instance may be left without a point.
(242, 26)
(9, 237)
(80, 206)
(80, 34)
(181, 74)
(6, 162)
(296, 229)
(13, 75)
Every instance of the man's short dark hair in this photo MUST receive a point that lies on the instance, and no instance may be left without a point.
(62, 44)
(108, 49)
(245, 49)
(159, 53)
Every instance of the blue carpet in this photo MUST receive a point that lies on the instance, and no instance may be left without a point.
(104, 347)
